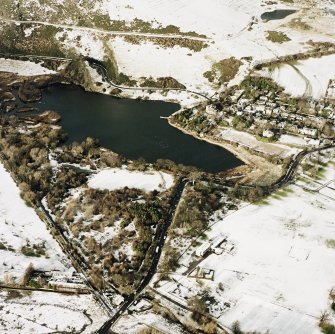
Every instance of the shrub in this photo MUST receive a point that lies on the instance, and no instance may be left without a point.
(277, 37)
(327, 328)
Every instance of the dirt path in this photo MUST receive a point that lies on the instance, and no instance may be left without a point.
(308, 87)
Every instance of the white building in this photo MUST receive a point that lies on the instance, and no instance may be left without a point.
(211, 109)
(268, 134)
(237, 95)
(309, 132)
(203, 249)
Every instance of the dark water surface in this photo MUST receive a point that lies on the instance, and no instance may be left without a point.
(277, 14)
(132, 128)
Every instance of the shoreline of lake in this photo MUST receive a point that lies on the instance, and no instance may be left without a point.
(133, 128)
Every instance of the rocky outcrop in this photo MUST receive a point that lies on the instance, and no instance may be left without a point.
(77, 73)
(7, 96)
(48, 117)
(28, 92)
(27, 109)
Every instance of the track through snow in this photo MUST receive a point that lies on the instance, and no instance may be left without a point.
(308, 87)
(307, 78)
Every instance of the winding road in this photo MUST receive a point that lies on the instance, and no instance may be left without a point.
(101, 69)
(293, 166)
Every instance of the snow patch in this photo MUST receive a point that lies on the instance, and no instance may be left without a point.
(112, 179)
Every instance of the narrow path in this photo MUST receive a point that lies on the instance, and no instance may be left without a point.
(77, 260)
(21, 288)
(184, 307)
(324, 185)
(101, 69)
(109, 32)
(308, 88)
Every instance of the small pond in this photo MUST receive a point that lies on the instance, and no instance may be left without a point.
(277, 14)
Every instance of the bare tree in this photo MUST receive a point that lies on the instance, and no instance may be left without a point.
(324, 317)
(27, 275)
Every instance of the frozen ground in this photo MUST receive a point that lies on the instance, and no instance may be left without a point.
(132, 324)
(20, 226)
(281, 270)
(112, 179)
(41, 312)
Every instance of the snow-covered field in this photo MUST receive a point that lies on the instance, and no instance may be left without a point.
(293, 140)
(308, 77)
(280, 273)
(41, 312)
(84, 42)
(20, 226)
(147, 59)
(112, 179)
(235, 29)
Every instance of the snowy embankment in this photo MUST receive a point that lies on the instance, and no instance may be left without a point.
(249, 141)
(137, 321)
(25, 68)
(20, 227)
(112, 179)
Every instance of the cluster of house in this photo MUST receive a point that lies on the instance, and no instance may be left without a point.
(277, 115)
(112, 298)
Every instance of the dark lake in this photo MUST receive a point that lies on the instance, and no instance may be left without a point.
(277, 14)
(132, 128)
